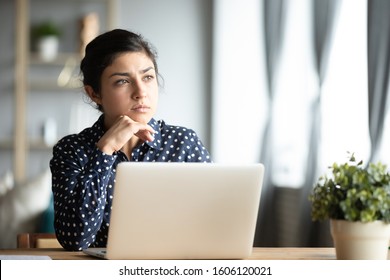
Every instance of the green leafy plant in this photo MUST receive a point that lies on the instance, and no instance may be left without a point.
(353, 193)
(46, 28)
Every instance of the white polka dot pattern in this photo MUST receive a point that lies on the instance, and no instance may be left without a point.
(83, 178)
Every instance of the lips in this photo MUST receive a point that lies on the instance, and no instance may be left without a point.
(140, 108)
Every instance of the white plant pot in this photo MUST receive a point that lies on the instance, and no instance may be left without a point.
(360, 241)
(48, 48)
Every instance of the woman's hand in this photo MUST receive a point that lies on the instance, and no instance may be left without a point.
(121, 132)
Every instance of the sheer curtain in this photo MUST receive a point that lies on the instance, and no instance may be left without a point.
(315, 87)
(344, 90)
(239, 104)
(273, 26)
(378, 72)
(324, 15)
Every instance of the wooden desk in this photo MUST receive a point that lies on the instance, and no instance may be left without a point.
(282, 253)
(286, 253)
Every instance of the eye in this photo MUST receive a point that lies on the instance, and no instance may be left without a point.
(121, 82)
(148, 78)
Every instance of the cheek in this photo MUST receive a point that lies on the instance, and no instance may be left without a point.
(113, 100)
(115, 93)
(154, 94)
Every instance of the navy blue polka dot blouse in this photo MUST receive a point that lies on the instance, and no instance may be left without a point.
(83, 178)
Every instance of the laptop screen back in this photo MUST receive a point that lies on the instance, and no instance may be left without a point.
(184, 211)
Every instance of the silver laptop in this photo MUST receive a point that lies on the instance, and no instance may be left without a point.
(183, 211)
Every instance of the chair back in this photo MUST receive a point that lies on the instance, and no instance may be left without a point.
(37, 240)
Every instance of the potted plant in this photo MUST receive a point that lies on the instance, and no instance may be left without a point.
(356, 199)
(46, 38)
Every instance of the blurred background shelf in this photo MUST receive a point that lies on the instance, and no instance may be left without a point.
(38, 80)
(61, 59)
(36, 144)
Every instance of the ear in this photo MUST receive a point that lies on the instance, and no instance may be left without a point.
(93, 95)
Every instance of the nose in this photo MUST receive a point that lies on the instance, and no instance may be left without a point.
(139, 90)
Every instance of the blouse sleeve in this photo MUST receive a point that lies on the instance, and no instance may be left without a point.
(197, 151)
(80, 176)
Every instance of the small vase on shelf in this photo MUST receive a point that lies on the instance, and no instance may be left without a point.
(46, 37)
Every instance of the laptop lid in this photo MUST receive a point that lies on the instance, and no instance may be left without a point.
(184, 211)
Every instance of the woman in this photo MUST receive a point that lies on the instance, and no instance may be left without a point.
(120, 75)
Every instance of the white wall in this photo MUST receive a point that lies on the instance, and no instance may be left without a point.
(181, 32)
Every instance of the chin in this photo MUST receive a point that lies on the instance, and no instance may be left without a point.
(141, 119)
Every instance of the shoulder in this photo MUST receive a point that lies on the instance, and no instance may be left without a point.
(77, 138)
(182, 143)
(168, 130)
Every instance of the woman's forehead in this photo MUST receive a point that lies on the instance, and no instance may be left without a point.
(132, 60)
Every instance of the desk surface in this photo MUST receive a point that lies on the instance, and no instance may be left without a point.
(281, 253)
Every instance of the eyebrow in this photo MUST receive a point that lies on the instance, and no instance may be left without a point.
(146, 70)
(126, 74)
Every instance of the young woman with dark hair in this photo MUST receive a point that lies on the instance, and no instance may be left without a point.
(120, 75)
